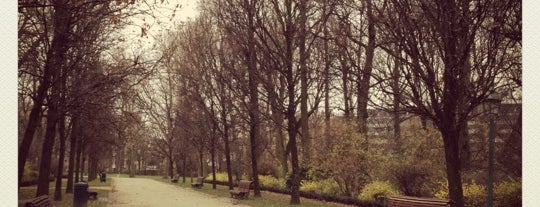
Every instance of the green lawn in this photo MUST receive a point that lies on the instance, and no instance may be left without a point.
(267, 199)
(67, 199)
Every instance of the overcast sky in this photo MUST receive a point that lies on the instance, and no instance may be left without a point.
(166, 17)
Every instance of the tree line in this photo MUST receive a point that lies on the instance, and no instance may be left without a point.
(248, 80)
(70, 78)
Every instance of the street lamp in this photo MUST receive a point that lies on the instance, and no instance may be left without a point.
(491, 106)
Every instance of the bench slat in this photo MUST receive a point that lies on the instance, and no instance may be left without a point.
(243, 189)
(408, 201)
(175, 178)
(198, 183)
(40, 201)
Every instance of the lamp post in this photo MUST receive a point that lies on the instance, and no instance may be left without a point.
(491, 106)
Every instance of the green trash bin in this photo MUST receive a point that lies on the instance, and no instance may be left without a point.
(80, 194)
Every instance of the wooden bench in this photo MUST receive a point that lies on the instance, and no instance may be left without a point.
(408, 201)
(198, 182)
(175, 178)
(243, 189)
(40, 201)
(92, 195)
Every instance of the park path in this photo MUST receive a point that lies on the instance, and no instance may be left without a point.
(141, 192)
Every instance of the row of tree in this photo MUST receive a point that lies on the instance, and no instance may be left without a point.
(250, 79)
(263, 68)
(73, 83)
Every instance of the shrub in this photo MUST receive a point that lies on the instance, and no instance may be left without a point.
(29, 175)
(474, 194)
(265, 180)
(508, 193)
(326, 186)
(413, 174)
(267, 166)
(271, 181)
(318, 196)
(222, 177)
(350, 165)
(376, 189)
(442, 190)
(412, 180)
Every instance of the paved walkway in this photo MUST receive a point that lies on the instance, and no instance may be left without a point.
(141, 192)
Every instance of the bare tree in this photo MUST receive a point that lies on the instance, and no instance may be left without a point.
(452, 64)
(61, 20)
(243, 26)
(54, 57)
(158, 101)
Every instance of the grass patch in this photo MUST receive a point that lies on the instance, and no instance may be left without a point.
(26, 193)
(97, 183)
(267, 199)
(123, 175)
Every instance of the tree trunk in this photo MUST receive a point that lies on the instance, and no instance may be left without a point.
(292, 146)
(78, 176)
(53, 115)
(397, 99)
(93, 161)
(254, 133)
(83, 161)
(33, 122)
(131, 163)
(253, 109)
(304, 55)
(201, 164)
(72, 150)
(55, 57)
(345, 85)
(327, 64)
(465, 147)
(164, 168)
(184, 160)
(277, 116)
(453, 172)
(61, 153)
(365, 74)
(454, 39)
(213, 156)
(280, 143)
(170, 159)
(46, 153)
(139, 164)
(292, 129)
(227, 148)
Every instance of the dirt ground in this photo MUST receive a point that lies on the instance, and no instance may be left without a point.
(140, 192)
